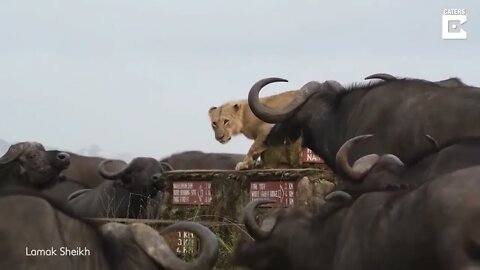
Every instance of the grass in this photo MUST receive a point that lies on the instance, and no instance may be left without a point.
(227, 232)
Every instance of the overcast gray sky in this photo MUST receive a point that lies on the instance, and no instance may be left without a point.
(137, 78)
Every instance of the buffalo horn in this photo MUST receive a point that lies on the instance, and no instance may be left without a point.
(113, 229)
(433, 142)
(338, 195)
(13, 152)
(249, 219)
(362, 165)
(111, 175)
(270, 115)
(158, 249)
(166, 166)
(381, 76)
(394, 158)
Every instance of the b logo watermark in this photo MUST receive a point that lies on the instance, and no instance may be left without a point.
(452, 21)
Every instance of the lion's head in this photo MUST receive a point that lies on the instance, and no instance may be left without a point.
(226, 121)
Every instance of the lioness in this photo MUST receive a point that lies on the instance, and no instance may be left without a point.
(235, 117)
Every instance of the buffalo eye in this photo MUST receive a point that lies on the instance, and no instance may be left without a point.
(31, 155)
(225, 121)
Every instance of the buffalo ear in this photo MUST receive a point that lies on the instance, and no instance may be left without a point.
(236, 106)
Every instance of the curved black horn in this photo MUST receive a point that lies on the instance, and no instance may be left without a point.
(14, 151)
(111, 175)
(208, 247)
(338, 195)
(381, 76)
(166, 166)
(342, 158)
(249, 219)
(433, 142)
(270, 115)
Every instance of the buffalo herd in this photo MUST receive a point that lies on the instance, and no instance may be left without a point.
(47, 198)
(408, 154)
(407, 151)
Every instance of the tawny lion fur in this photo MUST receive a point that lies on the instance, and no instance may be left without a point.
(235, 117)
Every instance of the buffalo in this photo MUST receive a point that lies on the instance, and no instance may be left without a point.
(373, 172)
(450, 82)
(62, 189)
(28, 164)
(83, 169)
(72, 243)
(433, 226)
(197, 160)
(398, 112)
(82, 173)
(387, 214)
(127, 196)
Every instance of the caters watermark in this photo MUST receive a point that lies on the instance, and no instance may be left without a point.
(452, 21)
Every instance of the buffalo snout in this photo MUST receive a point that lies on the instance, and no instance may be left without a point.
(63, 159)
(58, 160)
(158, 181)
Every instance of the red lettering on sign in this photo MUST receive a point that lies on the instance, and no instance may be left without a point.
(282, 192)
(307, 156)
(192, 193)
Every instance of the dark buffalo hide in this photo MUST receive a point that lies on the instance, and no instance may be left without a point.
(84, 169)
(30, 222)
(374, 172)
(450, 82)
(398, 112)
(62, 190)
(434, 226)
(127, 196)
(81, 174)
(197, 160)
(28, 164)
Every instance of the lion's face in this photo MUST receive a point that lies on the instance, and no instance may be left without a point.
(226, 121)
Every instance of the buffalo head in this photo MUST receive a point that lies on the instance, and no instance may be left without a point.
(29, 164)
(283, 236)
(370, 172)
(142, 175)
(366, 164)
(290, 118)
(373, 172)
(143, 239)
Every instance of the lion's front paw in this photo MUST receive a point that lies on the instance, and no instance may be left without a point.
(243, 165)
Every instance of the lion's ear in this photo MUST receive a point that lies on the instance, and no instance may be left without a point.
(211, 109)
(236, 106)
